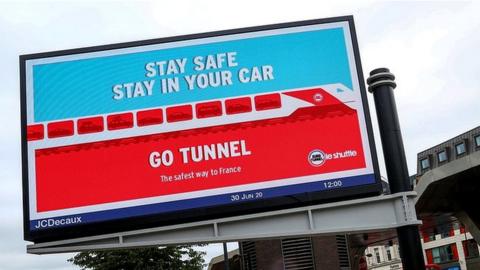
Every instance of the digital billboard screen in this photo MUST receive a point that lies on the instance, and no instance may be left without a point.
(172, 130)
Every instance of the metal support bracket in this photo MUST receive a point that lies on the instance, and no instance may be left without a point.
(355, 216)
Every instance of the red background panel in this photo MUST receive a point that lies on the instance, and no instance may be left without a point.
(119, 170)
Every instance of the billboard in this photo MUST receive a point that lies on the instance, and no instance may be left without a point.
(166, 131)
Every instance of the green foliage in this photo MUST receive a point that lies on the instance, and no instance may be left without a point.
(168, 258)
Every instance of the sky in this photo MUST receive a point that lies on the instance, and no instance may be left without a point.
(431, 47)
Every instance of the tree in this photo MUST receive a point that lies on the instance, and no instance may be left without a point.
(154, 258)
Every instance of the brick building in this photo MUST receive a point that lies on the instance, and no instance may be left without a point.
(316, 253)
(447, 183)
(451, 247)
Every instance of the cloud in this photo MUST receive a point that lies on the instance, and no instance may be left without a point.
(431, 51)
(430, 46)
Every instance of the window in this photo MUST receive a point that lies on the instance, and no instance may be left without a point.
(442, 156)
(470, 248)
(442, 254)
(477, 141)
(428, 236)
(460, 148)
(456, 226)
(389, 255)
(377, 254)
(446, 232)
(425, 163)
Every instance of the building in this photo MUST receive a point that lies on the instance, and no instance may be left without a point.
(218, 263)
(383, 257)
(448, 151)
(310, 253)
(448, 187)
(450, 246)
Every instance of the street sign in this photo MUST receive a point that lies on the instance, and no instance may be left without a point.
(188, 128)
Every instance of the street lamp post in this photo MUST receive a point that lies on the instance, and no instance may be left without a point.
(381, 83)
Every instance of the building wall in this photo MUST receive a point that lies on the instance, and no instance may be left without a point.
(431, 154)
(269, 254)
(455, 239)
(325, 253)
(473, 264)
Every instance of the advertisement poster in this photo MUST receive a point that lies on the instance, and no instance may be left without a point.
(189, 123)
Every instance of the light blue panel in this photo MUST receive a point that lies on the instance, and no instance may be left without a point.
(84, 87)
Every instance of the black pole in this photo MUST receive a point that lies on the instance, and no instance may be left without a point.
(226, 262)
(381, 83)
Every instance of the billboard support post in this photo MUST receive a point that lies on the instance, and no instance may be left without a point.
(381, 83)
(226, 261)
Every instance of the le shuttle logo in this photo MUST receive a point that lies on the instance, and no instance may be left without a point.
(316, 158)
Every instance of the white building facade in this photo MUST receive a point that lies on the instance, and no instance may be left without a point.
(383, 257)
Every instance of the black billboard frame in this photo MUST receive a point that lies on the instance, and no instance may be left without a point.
(196, 214)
